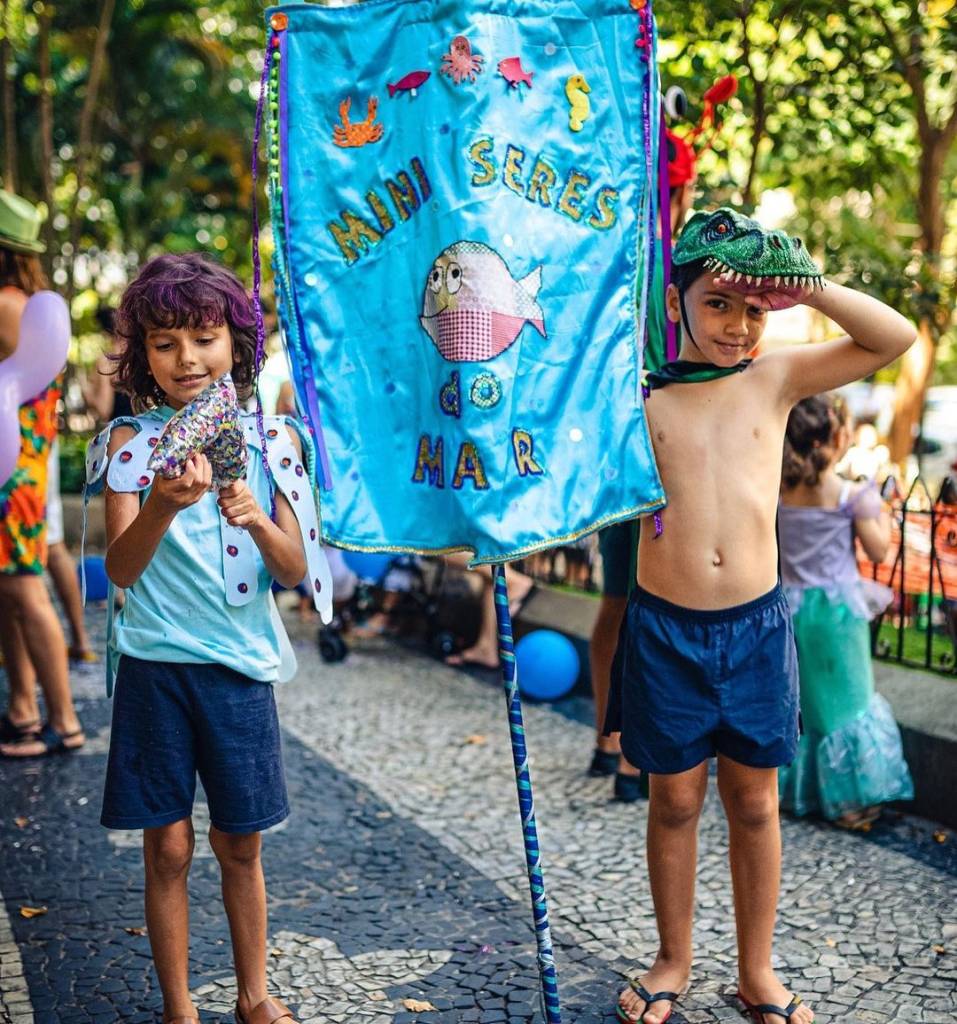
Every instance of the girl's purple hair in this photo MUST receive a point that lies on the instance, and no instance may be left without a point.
(187, 290)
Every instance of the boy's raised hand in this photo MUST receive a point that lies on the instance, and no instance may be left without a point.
(238, 504)
(185, 490)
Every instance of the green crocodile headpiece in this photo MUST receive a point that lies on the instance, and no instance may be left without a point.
(753, 258)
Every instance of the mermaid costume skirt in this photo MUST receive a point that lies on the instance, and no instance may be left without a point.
(849, 756)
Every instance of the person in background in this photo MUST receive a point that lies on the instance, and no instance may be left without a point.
(33, 646)
(101, 397)
(849, 760)
(618, 543)
(62, 568)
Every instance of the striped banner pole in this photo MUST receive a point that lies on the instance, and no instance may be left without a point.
(551, 1007)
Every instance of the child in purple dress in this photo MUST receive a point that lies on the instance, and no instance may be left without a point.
(849, 759)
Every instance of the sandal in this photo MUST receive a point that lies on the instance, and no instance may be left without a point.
(603, 763)
(84, 656)
(53, 742)
(11, 731)
(269, 1011)
(631, 788)
(757, 1011)
(625, 1018)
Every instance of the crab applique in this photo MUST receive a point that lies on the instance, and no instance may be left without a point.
(460, 63)
(349, 135)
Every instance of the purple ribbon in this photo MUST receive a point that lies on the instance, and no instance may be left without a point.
(664, 203)
(257, 267)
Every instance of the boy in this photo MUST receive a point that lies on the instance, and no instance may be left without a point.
(706, 664)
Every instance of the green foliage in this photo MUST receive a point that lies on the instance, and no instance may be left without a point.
(73, 462)
(830, 108)
(838, 104)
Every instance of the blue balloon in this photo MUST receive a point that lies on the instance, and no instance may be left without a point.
(97, 582)
(367, 565)
(548, 664)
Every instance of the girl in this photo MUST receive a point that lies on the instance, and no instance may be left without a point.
(849, 760)
(31, 638)
(198, 641)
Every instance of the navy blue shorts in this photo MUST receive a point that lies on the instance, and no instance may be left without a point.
(689, 684)
(172, 721)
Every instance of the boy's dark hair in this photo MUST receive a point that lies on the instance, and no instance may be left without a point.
(808, 442)
(189, 290)
(684, 275)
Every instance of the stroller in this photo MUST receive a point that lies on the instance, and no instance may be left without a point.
(415, 594)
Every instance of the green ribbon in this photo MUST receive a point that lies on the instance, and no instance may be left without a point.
(687, 371)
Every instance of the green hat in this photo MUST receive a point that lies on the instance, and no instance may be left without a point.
(20, 224)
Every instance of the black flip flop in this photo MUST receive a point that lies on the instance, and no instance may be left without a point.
(757, 1011)
(603, 763)
(53, 742)
(10, 732)
(622, 1014)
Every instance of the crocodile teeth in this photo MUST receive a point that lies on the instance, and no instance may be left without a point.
(749, 279)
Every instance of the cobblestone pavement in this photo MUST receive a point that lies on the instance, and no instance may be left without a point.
(400, 876)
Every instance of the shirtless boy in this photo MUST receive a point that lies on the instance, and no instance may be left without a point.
(706, 666)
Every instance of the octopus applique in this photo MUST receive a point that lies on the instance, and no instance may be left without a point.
(348, 135)
(460, 63)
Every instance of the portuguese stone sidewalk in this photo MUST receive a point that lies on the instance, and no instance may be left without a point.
(397, 888)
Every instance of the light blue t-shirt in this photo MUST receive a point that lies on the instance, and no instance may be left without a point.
(177, 611)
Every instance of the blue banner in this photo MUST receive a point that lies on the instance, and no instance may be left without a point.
(463, 199)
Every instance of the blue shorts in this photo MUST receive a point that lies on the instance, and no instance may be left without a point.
(172, 721)
(689, 684)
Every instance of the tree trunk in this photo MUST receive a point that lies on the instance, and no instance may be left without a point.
(85, 134)
(9, 127)
(917, 364)
(916, 369)
(46, 127)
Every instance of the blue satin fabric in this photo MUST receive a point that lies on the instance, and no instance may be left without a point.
(574, 394)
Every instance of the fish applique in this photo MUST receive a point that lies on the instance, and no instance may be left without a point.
(473, 308)
(577, 89)
(512, 71)
(410, 83)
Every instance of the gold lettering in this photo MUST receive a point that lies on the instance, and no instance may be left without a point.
(543, 178)
(403, 194)
(430, 461)
(480, 153)
(513, 168)
(606, 201)
(573, 194)
(524, 448)
(470, 465)
(354, 236)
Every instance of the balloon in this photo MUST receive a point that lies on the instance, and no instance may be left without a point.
(548, 664)
(41, 352)
(94, 570)
(367, 565)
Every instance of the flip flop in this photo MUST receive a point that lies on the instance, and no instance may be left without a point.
(603, 763)
(625, 1018)
(10, 731)
(53, 742)
(84, 656)
(269, 1011)
(630, 788)
(757, 1011)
